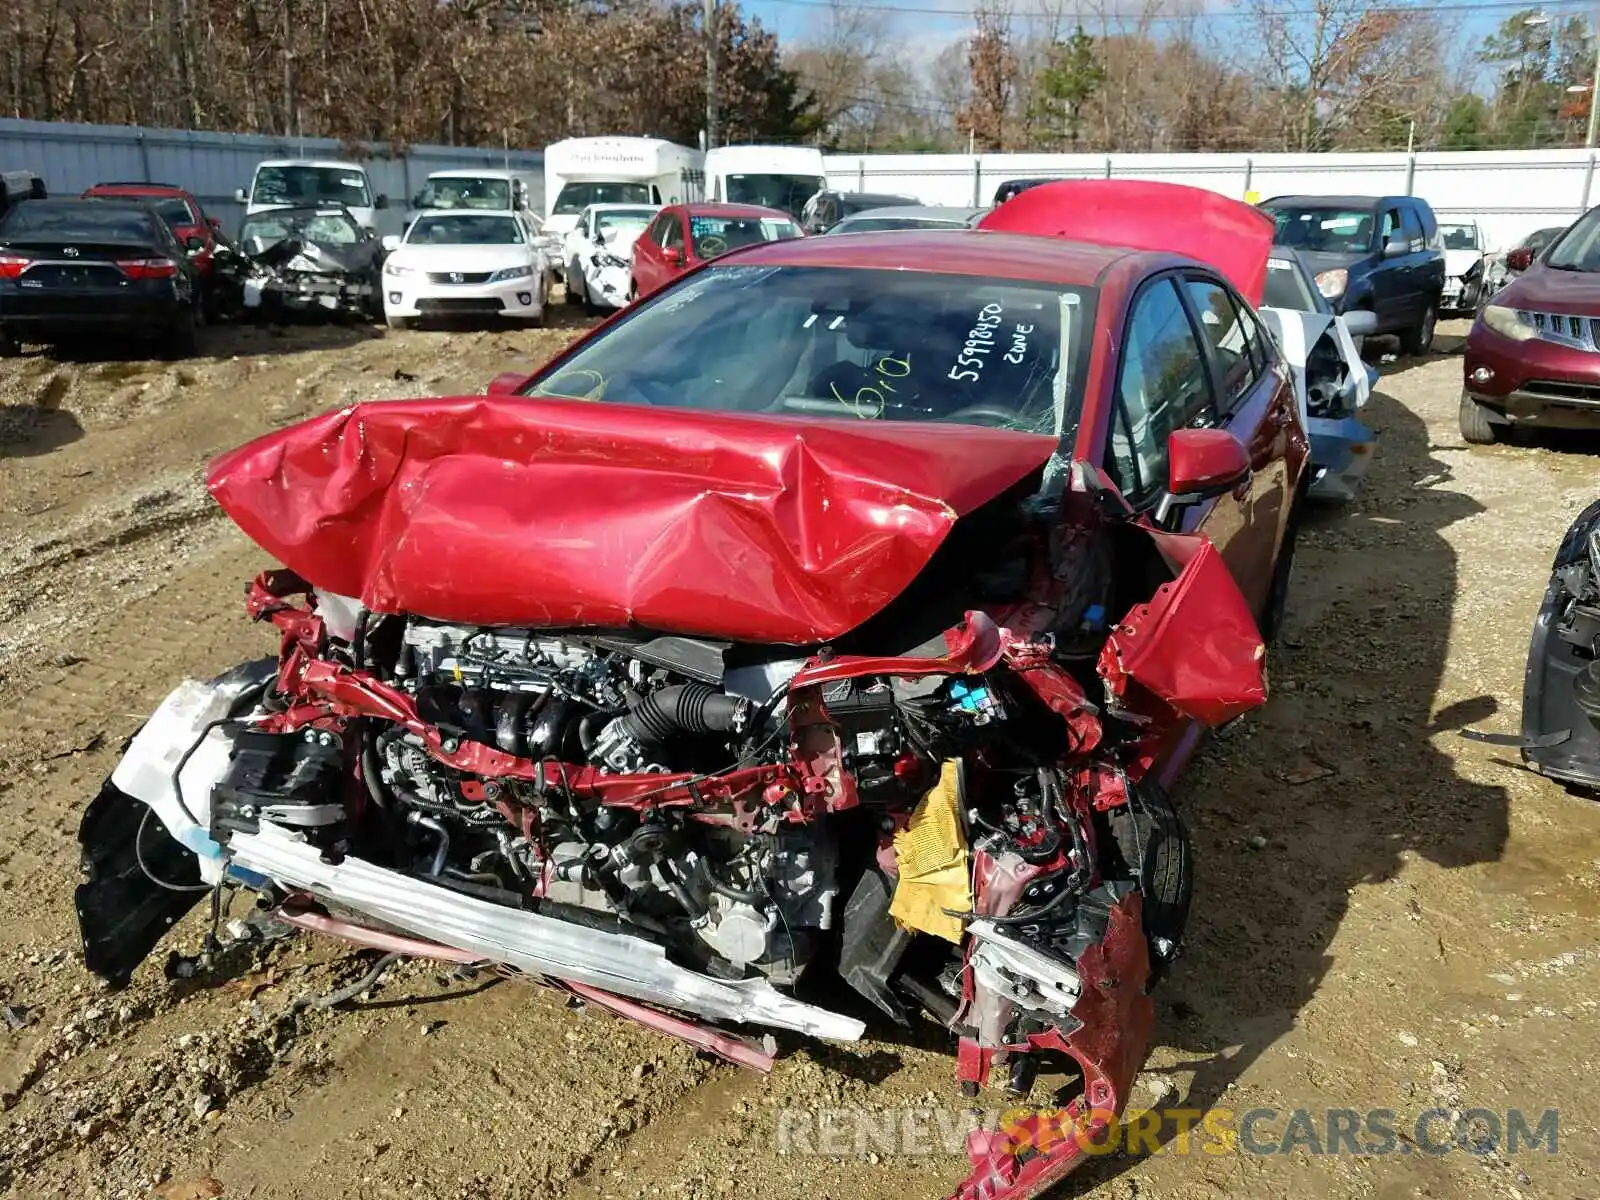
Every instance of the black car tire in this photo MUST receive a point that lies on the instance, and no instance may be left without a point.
(1156, 850)
(1419, 338)
(573, 283)
(181, 339)
(1282, 571)
(9, 346)
(1476, 428)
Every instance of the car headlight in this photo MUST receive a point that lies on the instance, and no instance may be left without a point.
(611, 260)
(1333, 283)
(1508, 322)
(505, 273)
(396, 270)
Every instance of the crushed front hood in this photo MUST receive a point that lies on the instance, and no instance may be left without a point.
(508, 510)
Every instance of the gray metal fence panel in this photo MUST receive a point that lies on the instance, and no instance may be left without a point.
(73, 157)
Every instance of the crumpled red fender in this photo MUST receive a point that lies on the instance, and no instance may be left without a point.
(1194, 645)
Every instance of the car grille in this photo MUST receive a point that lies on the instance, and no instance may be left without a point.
(462, 277)
(1565, 329)
(487, 305)
(1565, 391)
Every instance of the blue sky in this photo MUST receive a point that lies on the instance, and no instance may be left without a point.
(938, 22)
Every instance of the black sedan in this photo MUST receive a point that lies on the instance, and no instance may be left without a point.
(75, 269)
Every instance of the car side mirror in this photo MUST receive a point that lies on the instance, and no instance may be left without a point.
(214, 222)
(1360, 322)
(671, 255)
(381, 201)
(1395, 247)
(240, 197)
(1202, 464)
(194, 244)
(1519, 259)
(391, 242)
(508, 383)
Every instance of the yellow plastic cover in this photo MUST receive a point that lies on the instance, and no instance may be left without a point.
(931, 851)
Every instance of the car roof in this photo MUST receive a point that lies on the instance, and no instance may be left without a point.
(1340, 201)
(311, 162)
(614, 205)
(136, 189)
(911, 211)
(951, 251)
(710, 208)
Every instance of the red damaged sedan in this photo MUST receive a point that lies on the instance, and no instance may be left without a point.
(1533, 355)
(814, 643)
(685, 236)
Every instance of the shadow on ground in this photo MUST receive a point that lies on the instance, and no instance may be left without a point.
(1363, 652)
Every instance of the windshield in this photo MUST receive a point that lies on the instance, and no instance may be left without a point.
(1342, 230)
(575, 197)
(311, 185)
(463, 230)
(786, 193)
(717, 235)
(83, 220)
(878, 224)
(174, 211)
(1578, 249)
(1286, 287)
(1459, 237)
(853, 343)
(1540, 238)
(465, 191)
(622, 224)
(331, 227)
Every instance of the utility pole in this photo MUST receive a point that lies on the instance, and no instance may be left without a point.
(1594, 96)
(708, 21)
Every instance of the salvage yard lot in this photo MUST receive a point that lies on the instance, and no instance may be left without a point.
(1387, 916)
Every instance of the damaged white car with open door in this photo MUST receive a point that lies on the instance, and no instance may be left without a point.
(1332, 381)
(599, 250)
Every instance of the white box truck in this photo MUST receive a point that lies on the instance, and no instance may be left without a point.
(781, 177)
(579, 172)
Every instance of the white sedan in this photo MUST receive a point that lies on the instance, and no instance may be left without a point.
(598, 252)
(464, 264)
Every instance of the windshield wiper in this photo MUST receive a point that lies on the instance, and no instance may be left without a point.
(1565, 267)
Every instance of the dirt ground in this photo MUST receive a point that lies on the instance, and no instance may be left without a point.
(1388, 916)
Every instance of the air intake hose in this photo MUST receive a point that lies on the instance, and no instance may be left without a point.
(684, 708)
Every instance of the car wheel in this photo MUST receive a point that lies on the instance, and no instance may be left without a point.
(9, 346)
(398, 322)
(1278, 591)
(1476, 428)
(1156, 851)
(1419, 338)
(181, 340)
(575, 293)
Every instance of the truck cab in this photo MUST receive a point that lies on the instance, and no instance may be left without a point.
(781, 177)
(298, 182)
(579, 172)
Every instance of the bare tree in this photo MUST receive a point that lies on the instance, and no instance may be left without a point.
(992, 65)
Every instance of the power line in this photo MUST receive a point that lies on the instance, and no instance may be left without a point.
(1562, 7)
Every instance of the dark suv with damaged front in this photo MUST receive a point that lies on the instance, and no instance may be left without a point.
(1382, 254)
(1533, 356)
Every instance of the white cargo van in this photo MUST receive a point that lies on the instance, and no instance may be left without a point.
(781, 177)
(579, 172)
(486, 189)
(299, 182)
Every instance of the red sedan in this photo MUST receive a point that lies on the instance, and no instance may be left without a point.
(683, 236)
(185, 217)
(840, 614)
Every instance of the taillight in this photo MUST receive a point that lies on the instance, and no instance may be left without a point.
(148, 268)
(12, 265)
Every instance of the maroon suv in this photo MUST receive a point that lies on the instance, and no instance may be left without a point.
(1533, 356)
